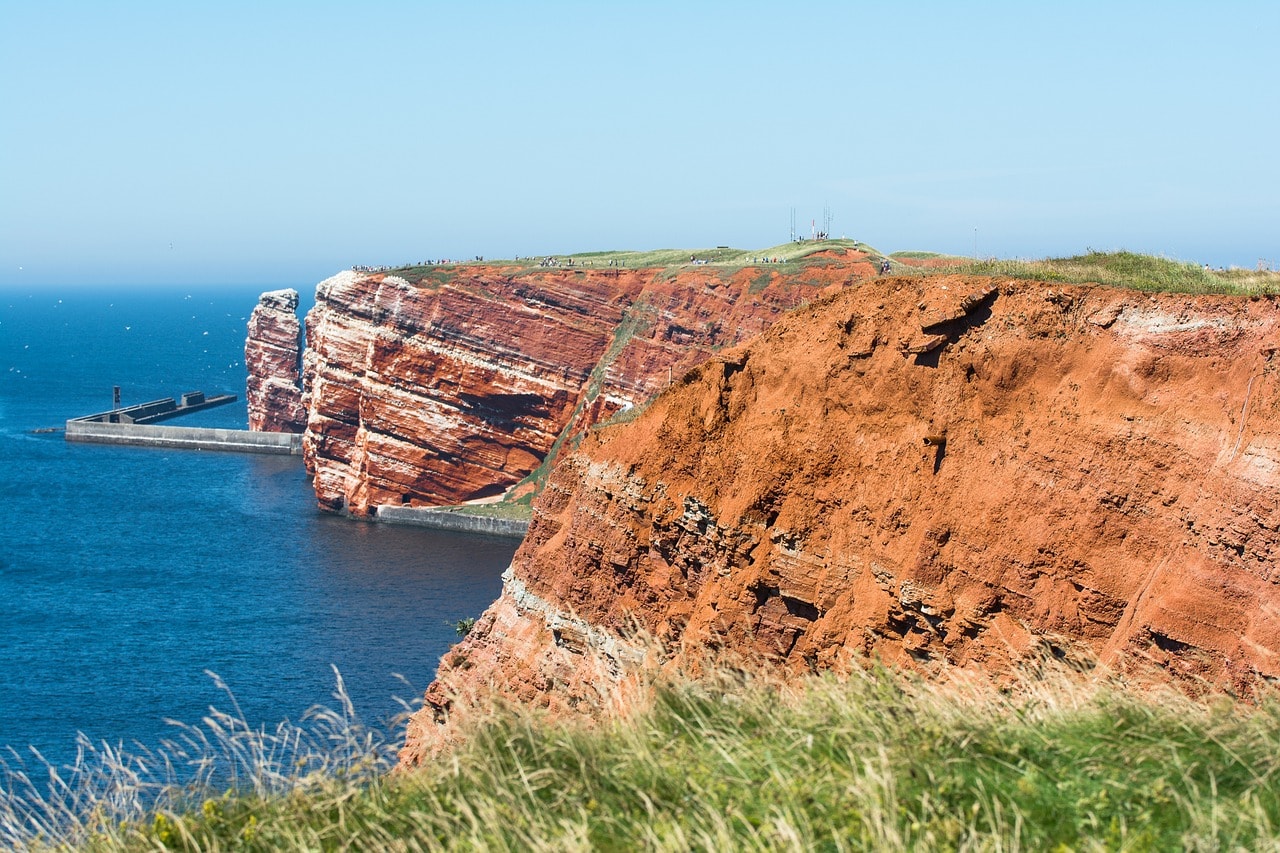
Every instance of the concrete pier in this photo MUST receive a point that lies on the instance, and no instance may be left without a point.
(134, 425)
(452, 519)
(187, 438)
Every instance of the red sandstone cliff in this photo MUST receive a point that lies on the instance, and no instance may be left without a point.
(273, 358)
(1102, 482)
(452, 384)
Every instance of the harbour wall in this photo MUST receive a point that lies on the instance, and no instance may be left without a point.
(187, 438)
(450, 519)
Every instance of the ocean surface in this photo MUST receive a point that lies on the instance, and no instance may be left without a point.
(129, 574)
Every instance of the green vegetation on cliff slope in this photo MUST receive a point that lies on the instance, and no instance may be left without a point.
(878, 761)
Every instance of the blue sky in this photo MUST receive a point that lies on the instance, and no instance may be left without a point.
(276, 143)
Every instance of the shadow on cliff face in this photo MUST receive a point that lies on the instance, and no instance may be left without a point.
(505, 411)
(956, 329)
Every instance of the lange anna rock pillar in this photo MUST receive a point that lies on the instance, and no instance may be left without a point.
(273, 358)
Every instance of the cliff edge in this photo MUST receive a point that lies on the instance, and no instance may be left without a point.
(936, 472)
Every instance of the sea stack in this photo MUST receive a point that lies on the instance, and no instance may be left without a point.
(273, 358)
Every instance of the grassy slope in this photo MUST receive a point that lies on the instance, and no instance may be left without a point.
(735, 761)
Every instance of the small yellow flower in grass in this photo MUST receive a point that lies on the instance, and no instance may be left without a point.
(162, 827)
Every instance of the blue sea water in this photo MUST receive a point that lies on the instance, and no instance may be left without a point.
(128, 573)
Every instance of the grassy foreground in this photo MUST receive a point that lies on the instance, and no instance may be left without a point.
(737, 761)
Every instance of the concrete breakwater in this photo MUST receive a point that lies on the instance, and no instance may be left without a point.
(186, 438)
(452, 519)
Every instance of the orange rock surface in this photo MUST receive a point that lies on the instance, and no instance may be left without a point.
(457, 385)
(1081, 472)
(273, 359)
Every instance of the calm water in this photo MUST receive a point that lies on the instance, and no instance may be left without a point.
(126, 573)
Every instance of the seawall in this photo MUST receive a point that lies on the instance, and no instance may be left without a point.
(444, 519)
(187, 438)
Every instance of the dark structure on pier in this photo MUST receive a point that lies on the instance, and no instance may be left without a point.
(158, 410)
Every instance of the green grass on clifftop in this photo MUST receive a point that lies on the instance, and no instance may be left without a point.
(721, 257)
(1121, 269)
(663, 259)
(737, 761)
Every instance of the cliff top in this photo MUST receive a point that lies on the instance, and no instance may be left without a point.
(612, 329)
(1116, 269)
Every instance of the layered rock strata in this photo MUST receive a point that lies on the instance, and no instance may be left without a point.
(1078, 472)
(439, 386)
(273, 359)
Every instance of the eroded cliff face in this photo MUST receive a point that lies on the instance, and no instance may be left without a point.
(273, 359)
(1101, 481)
(456, 385)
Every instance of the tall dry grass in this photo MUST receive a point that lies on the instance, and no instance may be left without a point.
(1123, 269)
(113, 798)
(737, 758)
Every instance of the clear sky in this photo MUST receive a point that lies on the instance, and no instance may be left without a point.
(276, 143)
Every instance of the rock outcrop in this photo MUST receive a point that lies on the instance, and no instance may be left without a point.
(934, 472)
(273, 359)
(446, 385)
